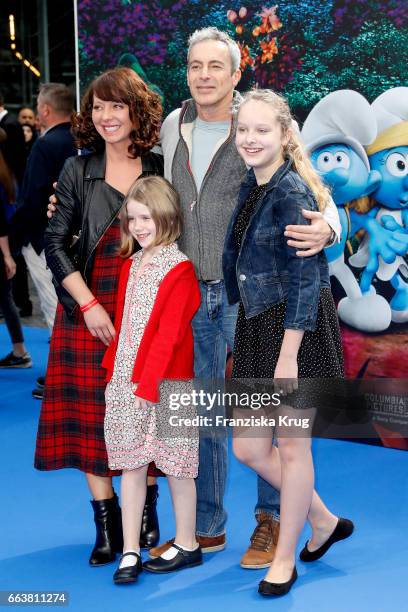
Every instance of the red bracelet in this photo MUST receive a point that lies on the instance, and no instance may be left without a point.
(89, 305)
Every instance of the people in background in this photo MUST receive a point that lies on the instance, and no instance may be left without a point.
(47, 157)
(26, 116)
(13, 148)
(19, 356)
(30, 136)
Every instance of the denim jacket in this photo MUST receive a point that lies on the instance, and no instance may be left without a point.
(266, 271)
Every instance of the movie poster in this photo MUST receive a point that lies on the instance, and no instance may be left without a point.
(344, 68)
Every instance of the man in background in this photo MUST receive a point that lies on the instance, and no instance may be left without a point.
(55, 105)
(26, 116)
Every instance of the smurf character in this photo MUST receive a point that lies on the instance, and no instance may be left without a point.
(335, 133)
(388, 155)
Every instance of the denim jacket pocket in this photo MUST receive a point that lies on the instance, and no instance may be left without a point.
(269, 278)
(264, 236)
(271, 286)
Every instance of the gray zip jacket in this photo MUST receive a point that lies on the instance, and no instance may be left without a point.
(206, 214)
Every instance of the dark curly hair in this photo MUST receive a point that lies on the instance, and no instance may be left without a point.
(120, 84)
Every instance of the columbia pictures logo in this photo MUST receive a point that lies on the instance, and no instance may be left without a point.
(388, 408)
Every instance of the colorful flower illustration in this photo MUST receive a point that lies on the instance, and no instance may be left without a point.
(232, 16)
(270, 17)
(269, 49)
(304, 48)
(268, 58)
(246, 58)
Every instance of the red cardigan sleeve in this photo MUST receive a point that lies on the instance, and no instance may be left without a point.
(178, 311)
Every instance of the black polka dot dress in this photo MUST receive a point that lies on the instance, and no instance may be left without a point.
(258, 340)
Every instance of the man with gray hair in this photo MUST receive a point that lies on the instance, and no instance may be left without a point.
(201, 161)
(55, 103)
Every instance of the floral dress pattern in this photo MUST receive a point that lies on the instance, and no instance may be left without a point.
(136, 436)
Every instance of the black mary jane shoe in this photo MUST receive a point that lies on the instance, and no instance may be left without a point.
(128, 574)
(183, 559)
(276, 589)
(343, 530)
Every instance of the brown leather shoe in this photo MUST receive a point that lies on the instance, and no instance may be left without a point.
(261, 551)
(207, 544)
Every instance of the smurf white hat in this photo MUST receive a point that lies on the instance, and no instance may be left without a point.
(391, 107)
(342, 116)
(391, 113)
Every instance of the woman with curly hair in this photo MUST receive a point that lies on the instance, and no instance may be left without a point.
(119, 123)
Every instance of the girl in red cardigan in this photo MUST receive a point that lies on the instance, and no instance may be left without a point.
(148, 365)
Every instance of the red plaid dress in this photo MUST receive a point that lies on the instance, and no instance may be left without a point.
(70, 431)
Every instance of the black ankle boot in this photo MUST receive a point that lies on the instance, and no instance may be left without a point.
(109, 539)
(150, 533)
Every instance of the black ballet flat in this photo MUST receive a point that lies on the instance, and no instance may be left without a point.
(343, 530)
(128, 574)
(183, 559)
(277, 589)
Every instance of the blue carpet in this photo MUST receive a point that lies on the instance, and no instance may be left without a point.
(47, 530)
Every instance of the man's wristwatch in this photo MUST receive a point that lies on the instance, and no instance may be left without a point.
(332, 239)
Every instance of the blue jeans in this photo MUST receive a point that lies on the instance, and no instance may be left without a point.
(214, 329)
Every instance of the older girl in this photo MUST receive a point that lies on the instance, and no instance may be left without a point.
(287, 324)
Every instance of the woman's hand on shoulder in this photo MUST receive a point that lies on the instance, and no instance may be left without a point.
(99, 324)
(142, 403)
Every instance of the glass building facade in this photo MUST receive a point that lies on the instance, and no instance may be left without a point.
(37, 45)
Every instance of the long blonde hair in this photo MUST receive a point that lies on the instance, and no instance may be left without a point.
(294, 148)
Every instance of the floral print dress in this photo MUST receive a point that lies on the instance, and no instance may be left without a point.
(137, 436)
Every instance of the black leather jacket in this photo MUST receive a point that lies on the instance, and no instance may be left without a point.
(81, 189)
